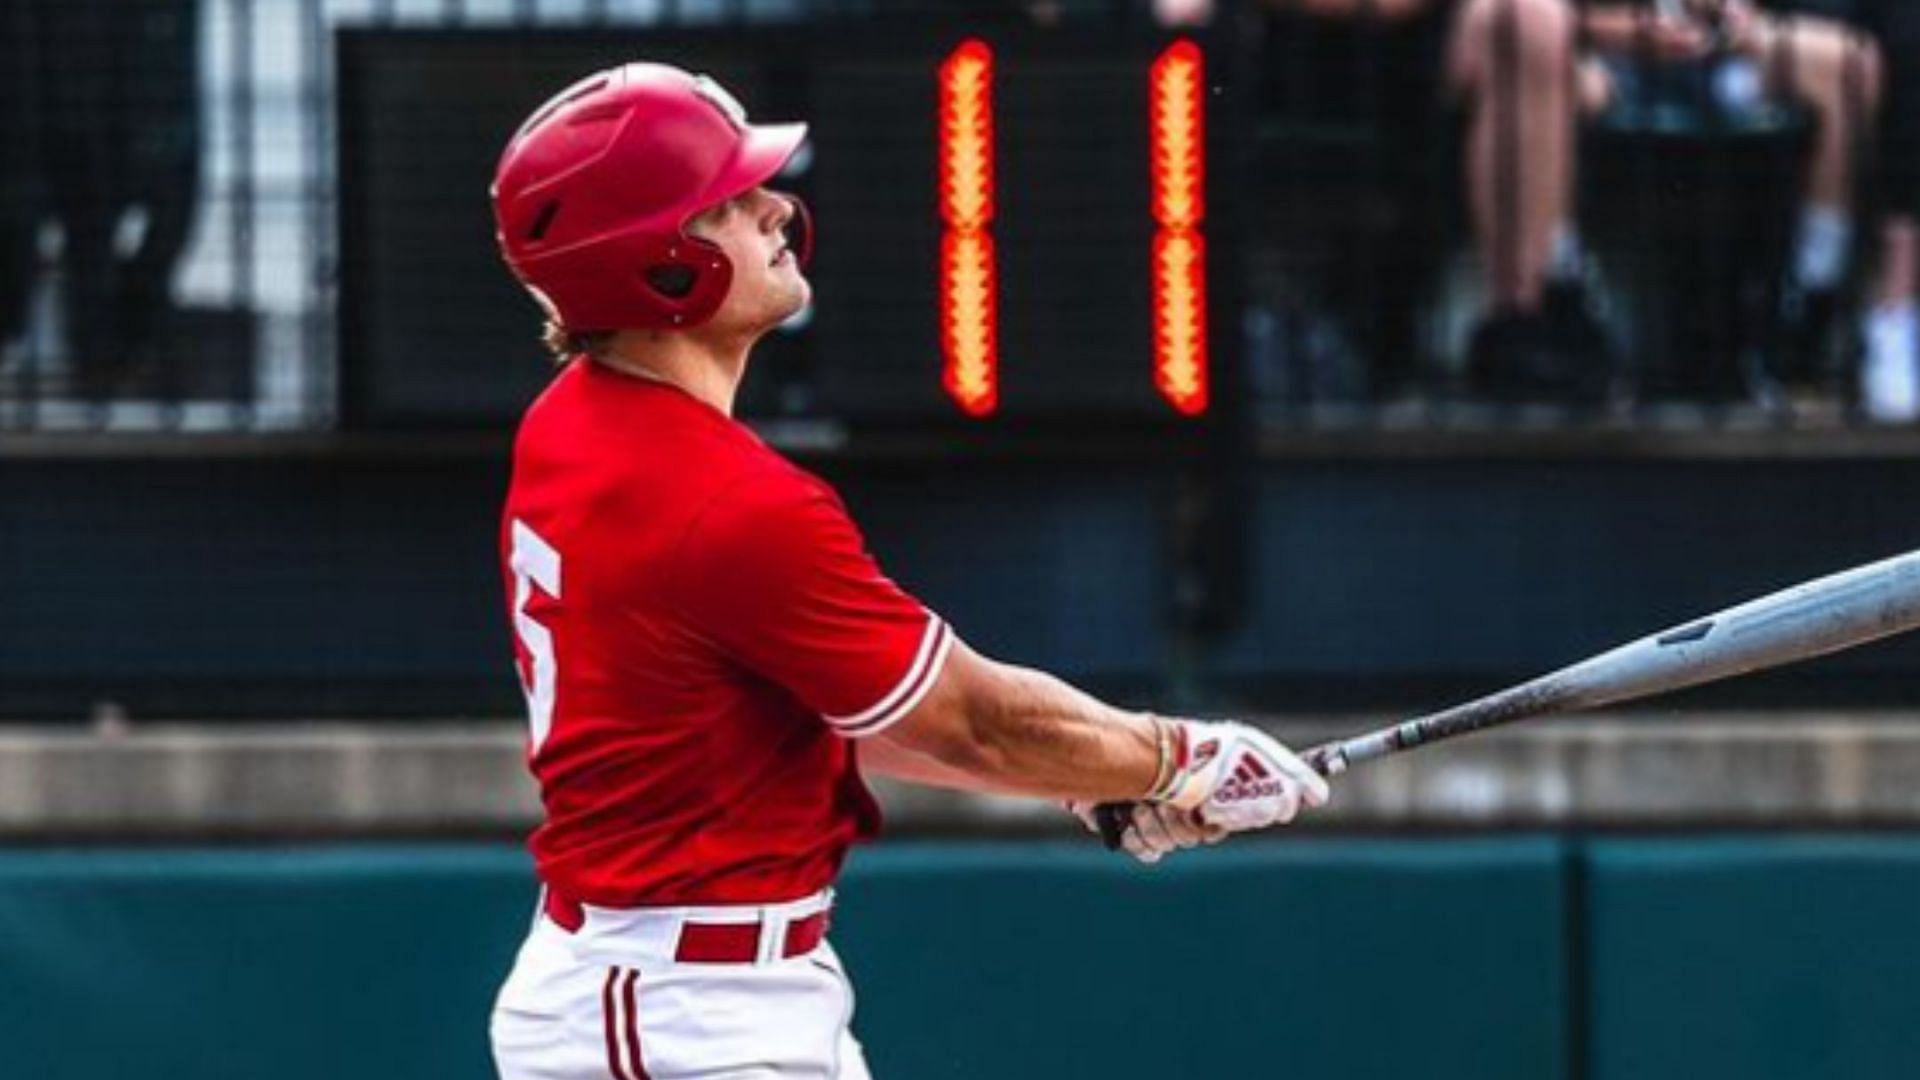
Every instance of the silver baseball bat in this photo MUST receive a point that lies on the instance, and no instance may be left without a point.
(1811, 619)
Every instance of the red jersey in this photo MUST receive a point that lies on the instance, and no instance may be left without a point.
(700, 631)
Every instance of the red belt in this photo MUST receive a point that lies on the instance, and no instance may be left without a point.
(710, 943)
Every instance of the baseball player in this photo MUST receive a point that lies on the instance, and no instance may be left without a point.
(711, 658)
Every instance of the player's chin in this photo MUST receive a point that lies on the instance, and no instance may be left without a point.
(796, 292)
(782, 305)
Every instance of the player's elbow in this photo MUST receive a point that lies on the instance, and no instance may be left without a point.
(956, 723)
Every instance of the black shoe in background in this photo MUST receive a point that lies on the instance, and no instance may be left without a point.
(1557, 355)
(1806, 357)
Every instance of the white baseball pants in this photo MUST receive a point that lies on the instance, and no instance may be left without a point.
(612, 1001)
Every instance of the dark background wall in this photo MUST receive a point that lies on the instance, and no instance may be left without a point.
(362, 582)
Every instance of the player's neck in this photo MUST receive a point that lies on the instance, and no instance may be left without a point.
(708, 371)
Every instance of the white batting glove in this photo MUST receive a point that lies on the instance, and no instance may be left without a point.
(1155, 831)
(1235, 777)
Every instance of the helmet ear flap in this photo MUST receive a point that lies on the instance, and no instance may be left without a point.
(674, 281)
(688, 279)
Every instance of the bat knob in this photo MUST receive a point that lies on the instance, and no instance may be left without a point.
(1113, 820)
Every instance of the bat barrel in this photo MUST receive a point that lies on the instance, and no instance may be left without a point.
(1798, 623)
(1808, 620)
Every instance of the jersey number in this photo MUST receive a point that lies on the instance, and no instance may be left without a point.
(535, 563)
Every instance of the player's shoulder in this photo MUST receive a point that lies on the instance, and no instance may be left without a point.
(767, 508)
(763, 492)
(772, 530)
(561, 416)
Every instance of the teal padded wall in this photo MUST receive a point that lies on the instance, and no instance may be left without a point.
(998, 961)
(1758, 958)
(360, 964)
(1318, 958)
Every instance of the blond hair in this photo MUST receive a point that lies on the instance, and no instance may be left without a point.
(564, 344)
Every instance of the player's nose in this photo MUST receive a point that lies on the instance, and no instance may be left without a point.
(779, 212)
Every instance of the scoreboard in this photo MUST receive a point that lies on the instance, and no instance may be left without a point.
(1013, 227)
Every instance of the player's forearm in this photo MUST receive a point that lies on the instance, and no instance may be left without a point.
(882, 756)
(1043, 737)
(995, 727)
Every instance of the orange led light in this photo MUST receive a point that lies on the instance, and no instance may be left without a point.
(969, 325)
(969, 286)
(1180, 319)
(966, 136)
(1176, 140)
(1176, 136)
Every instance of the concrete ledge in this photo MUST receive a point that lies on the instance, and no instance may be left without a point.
(295, 778)
(1608, 771)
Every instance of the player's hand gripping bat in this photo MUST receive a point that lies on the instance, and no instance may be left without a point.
(1811, 619)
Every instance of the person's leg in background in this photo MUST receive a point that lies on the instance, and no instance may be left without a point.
(1833, 70)
(1512, 62)
(122, 153)
(1515, 66)
(77, 72)
(1890, 374)
(158, 167)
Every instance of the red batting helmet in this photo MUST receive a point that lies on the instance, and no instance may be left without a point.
(592, 196)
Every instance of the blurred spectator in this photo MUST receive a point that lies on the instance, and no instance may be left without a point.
(1509, 68)
(102, 134)
(1819, 63)
(1890, 372)
(1890, 382)
(1515, 70)
(1516, 67)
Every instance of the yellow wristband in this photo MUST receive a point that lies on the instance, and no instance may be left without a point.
(1163, 773)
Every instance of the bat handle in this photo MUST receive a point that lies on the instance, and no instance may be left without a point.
(1114, 818)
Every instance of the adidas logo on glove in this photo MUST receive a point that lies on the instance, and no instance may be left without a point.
(1250, 780)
